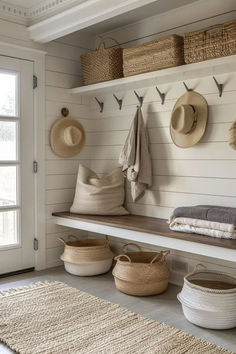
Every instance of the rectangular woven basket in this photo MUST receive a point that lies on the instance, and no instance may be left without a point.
(155, 55)
(102, 64)
(211, 42)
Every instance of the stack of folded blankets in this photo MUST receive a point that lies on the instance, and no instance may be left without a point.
(215, 221)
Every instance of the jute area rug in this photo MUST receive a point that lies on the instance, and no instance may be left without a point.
(54, 318)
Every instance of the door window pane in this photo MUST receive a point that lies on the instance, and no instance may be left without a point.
(8, 228)
(8, 94)
(8, 131)
(7, 185)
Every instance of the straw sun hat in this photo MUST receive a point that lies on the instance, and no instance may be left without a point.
(188, 119)
(67, 136)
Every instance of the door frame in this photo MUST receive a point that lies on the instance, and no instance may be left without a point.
(38, 59)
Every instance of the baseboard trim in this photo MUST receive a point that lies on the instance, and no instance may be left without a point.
(16, 272)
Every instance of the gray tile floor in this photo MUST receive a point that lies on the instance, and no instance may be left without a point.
(162, 308)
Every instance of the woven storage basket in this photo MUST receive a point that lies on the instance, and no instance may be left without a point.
(141, 273)
(158, 54)
(211, 42)
(102, 64)
(87, 257)
(208, 298)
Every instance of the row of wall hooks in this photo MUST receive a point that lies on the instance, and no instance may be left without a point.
(161, 94)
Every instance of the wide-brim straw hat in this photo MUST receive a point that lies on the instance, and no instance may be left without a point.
(188, 119)
(67, 137)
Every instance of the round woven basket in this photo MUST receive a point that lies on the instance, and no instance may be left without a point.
(86, 257)
(208, 298)
(102, 64)
(141, 273)
(85, 251)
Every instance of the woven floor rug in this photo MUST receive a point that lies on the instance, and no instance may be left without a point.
(54, 318)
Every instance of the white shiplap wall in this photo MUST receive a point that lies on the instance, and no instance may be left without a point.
(203, 174)
(62, 72)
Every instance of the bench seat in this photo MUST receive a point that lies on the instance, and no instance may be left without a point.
(151, 231)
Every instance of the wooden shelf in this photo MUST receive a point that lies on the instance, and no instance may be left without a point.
(179, 73)
(151, 231)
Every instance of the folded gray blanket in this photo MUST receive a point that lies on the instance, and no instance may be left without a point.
(208, 212)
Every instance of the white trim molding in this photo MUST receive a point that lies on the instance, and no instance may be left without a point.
(28, 16)
(38, 58)
(84, 15)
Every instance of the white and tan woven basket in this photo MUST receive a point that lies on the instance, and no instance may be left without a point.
(141, 273)
(208, 298)
(86, 257)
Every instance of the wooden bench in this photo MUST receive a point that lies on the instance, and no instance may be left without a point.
(151, 231)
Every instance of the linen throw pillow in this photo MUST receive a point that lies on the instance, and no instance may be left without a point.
(99, 196)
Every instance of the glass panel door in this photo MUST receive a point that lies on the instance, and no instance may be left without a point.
(16, 160)
(9, 159)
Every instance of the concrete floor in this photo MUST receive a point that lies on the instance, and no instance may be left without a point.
(163, 308)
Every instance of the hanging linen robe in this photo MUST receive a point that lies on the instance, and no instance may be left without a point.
(135, 157)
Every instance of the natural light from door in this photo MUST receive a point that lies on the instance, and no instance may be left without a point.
(9, 159)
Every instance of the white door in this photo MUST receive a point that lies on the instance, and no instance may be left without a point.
(16, 165)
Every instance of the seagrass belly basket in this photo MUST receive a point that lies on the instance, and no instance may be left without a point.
(141, 273)
(86, 257)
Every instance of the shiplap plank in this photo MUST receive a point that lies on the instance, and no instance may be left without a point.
(61, 65)
(217, 186)
(182, 168)
(62, 50)
(85, 154)
(60, 196)
(59, 94)
(149, 210)
(201, 151)
(214, 132)
(62, 80)
(174, 200)
(76, 110)
(53, 256)
(217, 114)
(195, 168)
(60, 181)
(63, 166)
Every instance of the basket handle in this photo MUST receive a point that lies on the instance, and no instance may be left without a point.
(117, 258)
(212, 28)
(160, 256)
(124, 248)
(197, 267)
(62, 240)
(102, 42)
